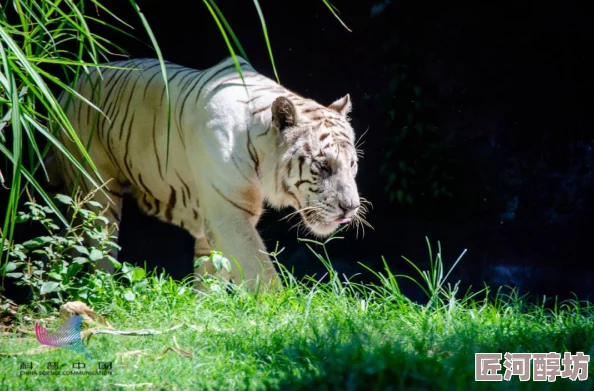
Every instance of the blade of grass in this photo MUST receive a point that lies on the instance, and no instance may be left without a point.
(163, 72)
(229, 46)
(229, 29)
(333, 9)
(265, 31)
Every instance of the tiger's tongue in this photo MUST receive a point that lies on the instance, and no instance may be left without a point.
(341, 221)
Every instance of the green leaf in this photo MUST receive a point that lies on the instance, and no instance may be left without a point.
(116, 264)
(64, 199)
(95, 255)
(95, 204)
(139, 286)
(73, 269)
(138, 274)
(409, 198)
(49, 286)
(219, 262)
(81, 249)
(130, 296)
(400, 195)
(55, 276)
(102, 218)
(10, 266)
(14, 275)
(37, 242)
(22, 217)
(200, 260)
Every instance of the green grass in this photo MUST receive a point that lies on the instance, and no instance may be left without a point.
(313, 336)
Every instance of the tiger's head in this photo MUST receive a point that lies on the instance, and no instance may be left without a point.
(320, 160)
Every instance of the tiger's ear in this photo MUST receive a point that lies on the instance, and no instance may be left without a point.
(342, 106)
(284, 114)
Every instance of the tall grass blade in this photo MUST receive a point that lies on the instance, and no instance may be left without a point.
(334, 10)
(163, 72)
(265, 31)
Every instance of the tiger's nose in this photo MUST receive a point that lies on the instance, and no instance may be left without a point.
(349, 208)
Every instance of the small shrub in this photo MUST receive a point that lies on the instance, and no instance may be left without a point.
(58, 266)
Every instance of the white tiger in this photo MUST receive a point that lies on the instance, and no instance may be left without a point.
(232, 147)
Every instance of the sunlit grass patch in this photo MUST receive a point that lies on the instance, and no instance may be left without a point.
(315, 336)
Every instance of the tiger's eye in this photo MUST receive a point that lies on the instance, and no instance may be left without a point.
(325, 169)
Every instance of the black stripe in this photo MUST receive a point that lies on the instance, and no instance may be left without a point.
(131, 177)
(261, 109)
(170, 205)
(310, 110)
(133, 89)
(301, 161)
(264, 88)
(151, 78)
(157, 206)
(170, 78)
(212, 77)
(155, 144)
(247, 102)
(289, 192)
(109, 101)
(148, 206)
(196, 81)
(116, 102)
(146, 189)
(253, 154)
(266, 132)
(187, 83)
(301, 182)
(185, 185)
(234, 160)
(233, 203)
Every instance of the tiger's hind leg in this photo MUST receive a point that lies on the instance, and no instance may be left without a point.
(188, 218)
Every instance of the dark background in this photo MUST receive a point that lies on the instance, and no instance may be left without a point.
(479, 130)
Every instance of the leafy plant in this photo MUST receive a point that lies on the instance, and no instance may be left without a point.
(57, 267)
(221, 264)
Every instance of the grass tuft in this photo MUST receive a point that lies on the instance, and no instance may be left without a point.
(331, 334)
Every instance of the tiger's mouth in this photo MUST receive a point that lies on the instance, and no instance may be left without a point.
(321, 225)
(343, 220)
